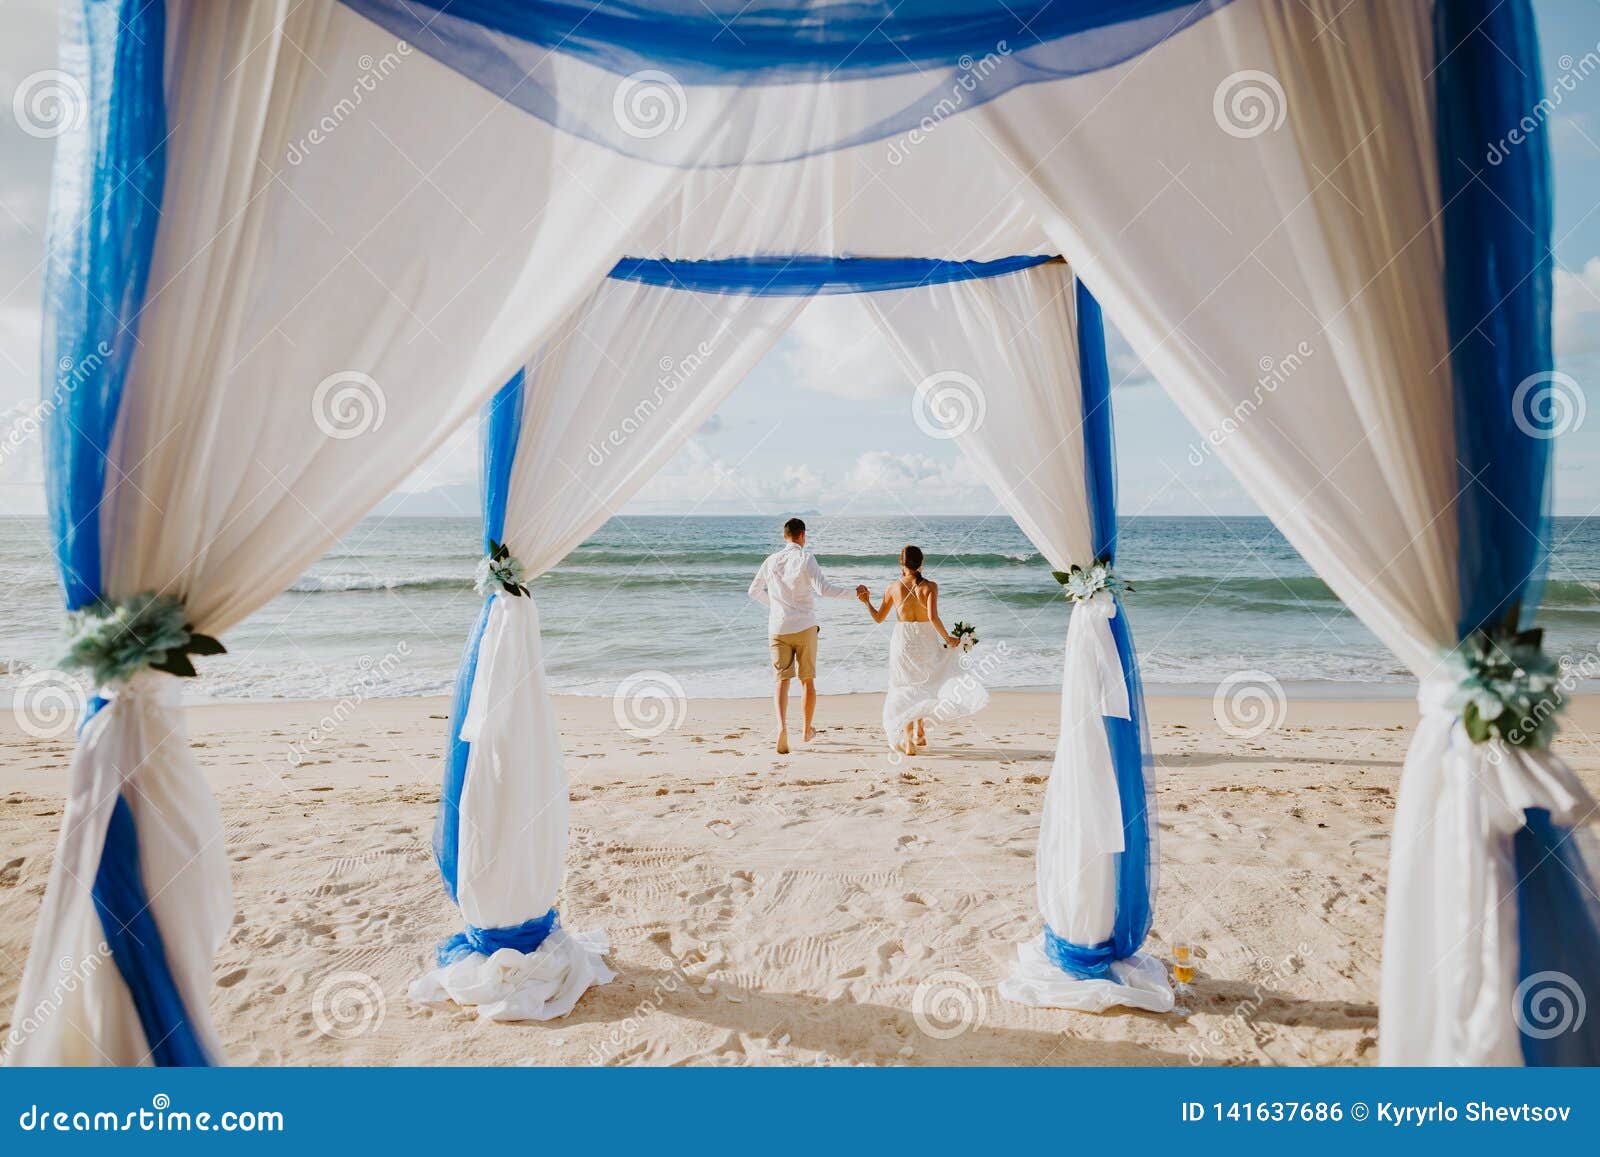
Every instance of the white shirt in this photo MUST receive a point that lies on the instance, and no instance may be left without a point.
(786, 582)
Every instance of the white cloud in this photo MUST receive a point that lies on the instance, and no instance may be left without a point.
(834, 347)
(1577, 310)
(877, 482)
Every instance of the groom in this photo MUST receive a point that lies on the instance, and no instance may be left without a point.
(785, 584)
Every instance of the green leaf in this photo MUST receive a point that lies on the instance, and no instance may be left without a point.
(175, 663)
(204, 645)
(1061, 576)
(1477, 726)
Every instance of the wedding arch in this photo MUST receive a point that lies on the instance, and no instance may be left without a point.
(1011, 355)
(432, 206)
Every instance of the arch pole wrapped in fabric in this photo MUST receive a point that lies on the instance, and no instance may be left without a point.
(624, 383)
(1019, 366)
(1363, 307)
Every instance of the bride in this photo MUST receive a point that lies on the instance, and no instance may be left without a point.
(925, 675)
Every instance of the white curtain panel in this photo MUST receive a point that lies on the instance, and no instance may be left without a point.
(875, 200)
(1274, 259)
(623, 385)
(996, 363)
(320, 317)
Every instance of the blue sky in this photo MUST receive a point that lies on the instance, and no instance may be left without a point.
(824, 422)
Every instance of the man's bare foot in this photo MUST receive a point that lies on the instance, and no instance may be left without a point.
(783, 743)
(811, 733)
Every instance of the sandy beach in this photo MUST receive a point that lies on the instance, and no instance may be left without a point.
(827, 907)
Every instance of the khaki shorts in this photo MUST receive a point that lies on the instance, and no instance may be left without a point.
(797, 649)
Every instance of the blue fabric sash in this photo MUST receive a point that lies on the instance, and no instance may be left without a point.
(1497, 282)
(134, 938)
(968, 51)
(105, 204)
(807, 276)
(1087, 963)
(500, 428)
(487, 941)
(778, 42)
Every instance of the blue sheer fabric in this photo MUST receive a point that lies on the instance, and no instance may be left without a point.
(471, 940)
(134, 938)
(950, 56)
(1129, 739)
(500, 426)
(1498, 269)
(105, 206)
(807, 276)
(1090, 962)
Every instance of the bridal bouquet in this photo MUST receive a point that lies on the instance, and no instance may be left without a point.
(965, 635)
(1084, 583)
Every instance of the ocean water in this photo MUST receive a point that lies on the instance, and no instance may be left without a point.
(386, 611)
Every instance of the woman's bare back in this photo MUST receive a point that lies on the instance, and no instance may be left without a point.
(912, 599)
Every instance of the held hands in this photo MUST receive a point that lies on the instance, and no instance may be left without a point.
(863, 593)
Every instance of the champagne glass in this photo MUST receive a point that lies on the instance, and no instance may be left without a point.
(1183, 958)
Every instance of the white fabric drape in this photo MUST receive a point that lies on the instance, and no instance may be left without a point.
(625, 382)
(997, 365)
(299, 355)
(1273, 257)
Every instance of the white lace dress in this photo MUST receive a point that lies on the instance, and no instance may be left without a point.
(927, 680)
